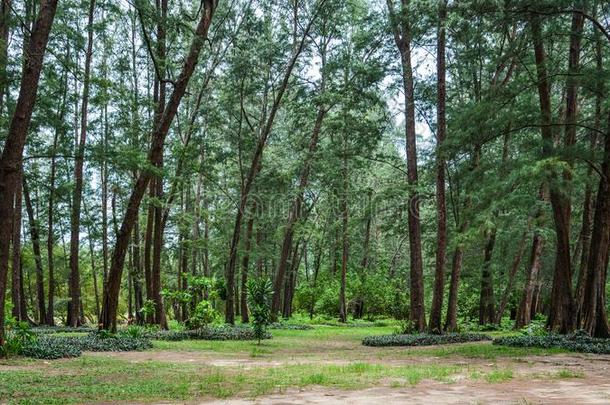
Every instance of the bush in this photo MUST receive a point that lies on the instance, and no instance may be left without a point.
(47, 330)
(208, 333)
(423, 339)
(260, 292)
(49, 348)
(55, 347)
(290, 326)
(18, 335)
(203, 315)
(578, 341)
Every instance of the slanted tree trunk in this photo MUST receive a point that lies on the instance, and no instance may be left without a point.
(35, 235)
(441, 208)
(74, 315)
(11, 160)
(295, 213)
(111, 294)
(252, 172)
(527, 306)
(514, 268)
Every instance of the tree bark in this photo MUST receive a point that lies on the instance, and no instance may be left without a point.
(11, 160)
(111, 295)
(244, 267)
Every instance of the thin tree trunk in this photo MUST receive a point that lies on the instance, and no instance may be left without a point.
(18, 311)
(11, 161)
(514, 268)
(78, 179)
(344, 240)
(244, 267)
(35, 235)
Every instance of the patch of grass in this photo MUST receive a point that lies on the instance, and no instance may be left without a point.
(567, 373)
(499, 376)
(483, 351)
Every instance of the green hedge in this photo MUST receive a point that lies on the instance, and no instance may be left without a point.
(47, 330)
(208, 333)
(290, 326)
(578, 341)
(423, 339)
(55, 347)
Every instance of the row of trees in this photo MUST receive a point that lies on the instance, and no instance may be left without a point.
(196, 145)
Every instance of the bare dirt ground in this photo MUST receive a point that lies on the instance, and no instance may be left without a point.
(535, 379)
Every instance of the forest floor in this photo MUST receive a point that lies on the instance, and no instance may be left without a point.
(321, 366)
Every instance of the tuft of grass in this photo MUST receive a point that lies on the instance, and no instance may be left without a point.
(499, 376)
(567, 373)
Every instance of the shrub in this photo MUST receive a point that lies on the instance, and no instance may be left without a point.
(203, 315)
(260, 292)
(47, 330)
(423, 339)
(49, 348)
(55, 347)
(290, 326)
(208, 333)
(578, 341)
(18, 335)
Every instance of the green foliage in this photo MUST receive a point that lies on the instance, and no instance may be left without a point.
(52, 347)
(18, 335)
(47, 330)
(290, 326)
(226, 332)
(423, 339)
(260, 292)
(578, 341)
(148, 308)
(203, 315)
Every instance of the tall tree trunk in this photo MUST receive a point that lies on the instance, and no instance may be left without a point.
(587, 212)
(35, 235)
(561, 317)
(78, 179)
(595, 318)
(111, 294)
(441, 208)
(11, 161)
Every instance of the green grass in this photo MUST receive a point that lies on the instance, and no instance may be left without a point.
(326, 356)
